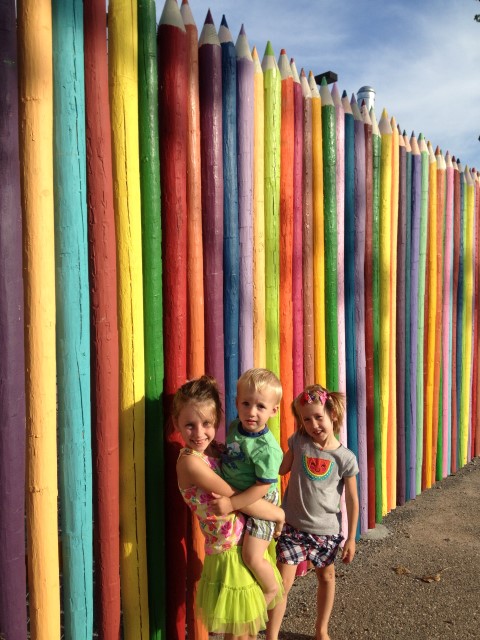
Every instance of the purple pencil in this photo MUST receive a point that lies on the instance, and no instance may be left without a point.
(359, 271)
(415, 256)
(13, 614)
(210, 83)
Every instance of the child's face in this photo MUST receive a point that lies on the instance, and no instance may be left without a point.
(255, 407)
(318, 424)
(196, 424)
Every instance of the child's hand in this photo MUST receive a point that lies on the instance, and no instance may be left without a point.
(218, 446)
(348, 551)
(221, 505)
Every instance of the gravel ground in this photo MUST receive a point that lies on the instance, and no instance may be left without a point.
(420, 582)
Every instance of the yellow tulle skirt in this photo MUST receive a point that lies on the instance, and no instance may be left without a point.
(229, 600)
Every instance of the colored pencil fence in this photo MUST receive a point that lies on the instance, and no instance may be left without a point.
(193, 210)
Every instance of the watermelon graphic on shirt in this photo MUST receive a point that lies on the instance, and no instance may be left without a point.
(317, 468)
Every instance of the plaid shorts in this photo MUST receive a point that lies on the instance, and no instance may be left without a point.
(294, 546)
(263, 529)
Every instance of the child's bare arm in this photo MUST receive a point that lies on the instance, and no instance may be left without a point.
(192, 471)
(226, 503)
(351, 501)
(259, 508)
(286, 463)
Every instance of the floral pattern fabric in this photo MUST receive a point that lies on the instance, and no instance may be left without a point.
(221, 532)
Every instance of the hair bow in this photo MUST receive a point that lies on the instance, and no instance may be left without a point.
(308, 397)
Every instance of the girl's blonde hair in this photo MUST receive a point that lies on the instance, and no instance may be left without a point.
(203, 390)
(334, 403)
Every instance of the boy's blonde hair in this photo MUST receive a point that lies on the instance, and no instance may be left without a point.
(259, 380)
(334, 403)
(203, 390)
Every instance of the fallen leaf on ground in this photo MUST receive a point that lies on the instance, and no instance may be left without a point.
(401, 570)
(434, 578)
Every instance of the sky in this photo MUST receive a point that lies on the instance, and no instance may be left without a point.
(422, 57)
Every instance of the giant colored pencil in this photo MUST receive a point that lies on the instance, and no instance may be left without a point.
(272, 97)
(369, 345)
(104, 324)
(73, 335)
(400, 340)
(195, 300)
(231, 252)
(465, 413)
(307, 267)
(340, 189)
(307, 236)
(456, 267)
(319, 352)
(437, 399)
(123, 76)
(359, 275)
(376, 154)
(349, 278)
(432, 327)
(385, 292)
(245, 136)
(153, 313)
(421, 310)
(173, 126)
(414, 261)
(286, 248)
(210, 81)
(476, 381)
(408, 298)
(331, 240)
(36, 144)
(259, 338)
(319, 290)
(297, 235)
(447, 319)
(13, 613)
(476, 290)
(392, 397)
(460, 309)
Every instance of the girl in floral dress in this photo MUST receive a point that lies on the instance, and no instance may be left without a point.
(229, 600)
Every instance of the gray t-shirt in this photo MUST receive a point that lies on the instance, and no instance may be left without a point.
(312, 498)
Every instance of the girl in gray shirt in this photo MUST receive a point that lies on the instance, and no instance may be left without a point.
(320, 468)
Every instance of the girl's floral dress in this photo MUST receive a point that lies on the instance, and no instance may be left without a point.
(229, 600)
(221, 532)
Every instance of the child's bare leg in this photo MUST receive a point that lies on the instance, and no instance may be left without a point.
(275, 616)
(252, 553)
(264, 510)
(325, 599)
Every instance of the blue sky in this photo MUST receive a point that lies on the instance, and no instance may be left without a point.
(421, 56)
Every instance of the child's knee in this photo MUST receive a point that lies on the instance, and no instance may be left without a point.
(326, 574)
(250, 556)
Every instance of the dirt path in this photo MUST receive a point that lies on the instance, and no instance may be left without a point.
(435, 537)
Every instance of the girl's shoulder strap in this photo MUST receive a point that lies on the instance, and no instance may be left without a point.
(186, 451)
